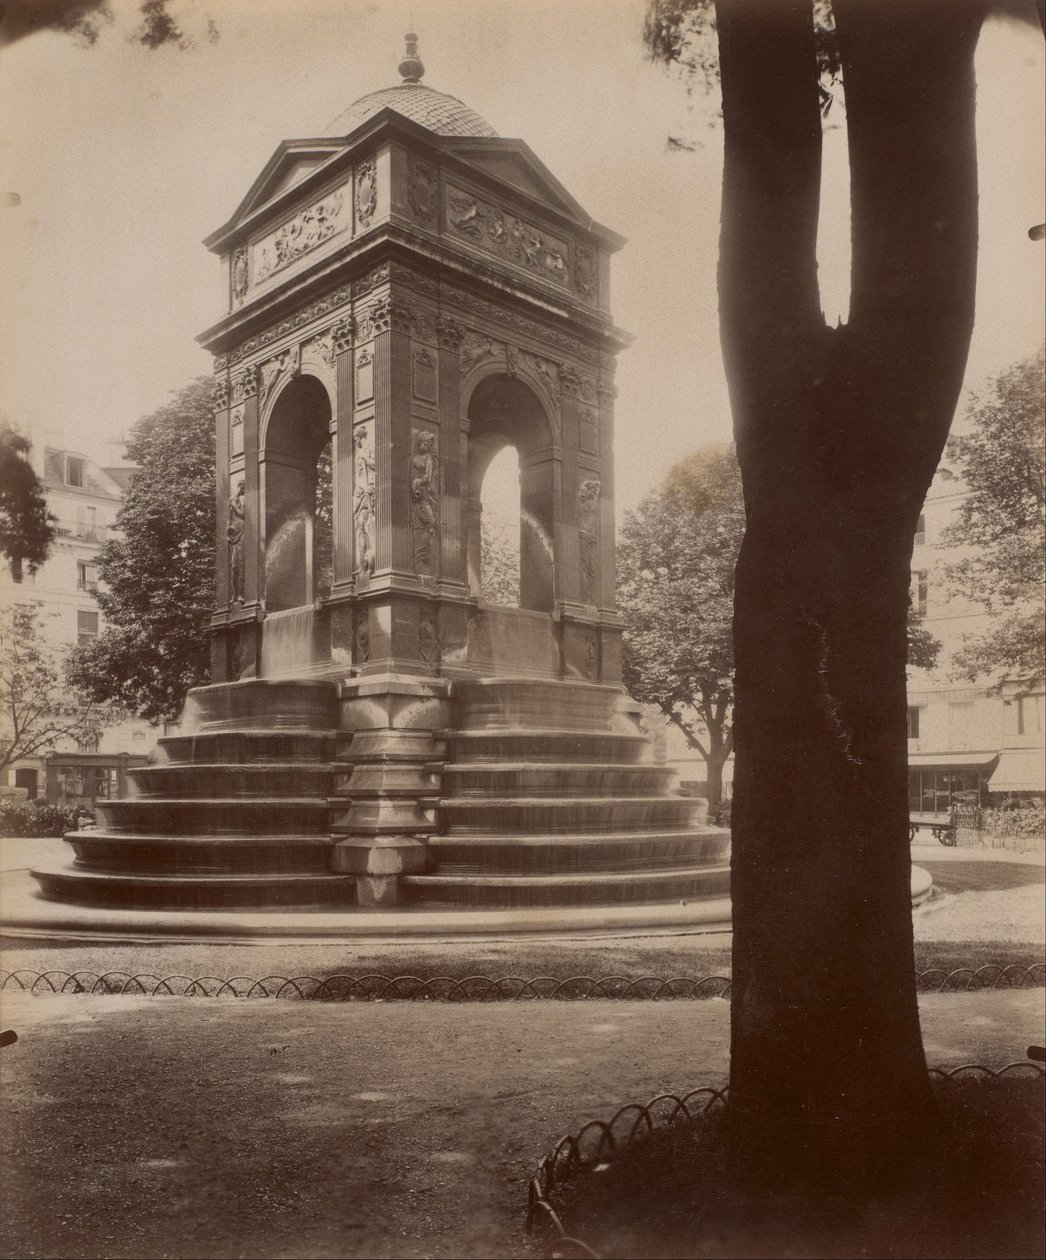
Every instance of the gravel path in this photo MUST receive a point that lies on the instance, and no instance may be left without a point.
(205, 1128)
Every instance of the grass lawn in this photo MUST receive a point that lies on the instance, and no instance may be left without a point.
(966, 877)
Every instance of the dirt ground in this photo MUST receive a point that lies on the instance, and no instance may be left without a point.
(171, 1127)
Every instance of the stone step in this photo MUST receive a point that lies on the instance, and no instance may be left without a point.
(521, 778)
(200, 892)
(579, 852)
(532, 744)
(523, 815)
(243, 747)
(251, 780)
(128, 852)
(219, 816)
(681, 883)
(494, 703)
(290, 704)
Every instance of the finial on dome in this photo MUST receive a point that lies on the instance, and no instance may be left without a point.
(411, 66)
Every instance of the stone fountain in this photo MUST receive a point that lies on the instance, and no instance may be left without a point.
(407, 295)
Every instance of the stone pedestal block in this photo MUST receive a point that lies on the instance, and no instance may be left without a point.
(384, 804)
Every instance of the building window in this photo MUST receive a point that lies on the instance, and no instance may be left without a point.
(920, 531)
(87, 523)
(1029, 718)
(86, 576)
(86, 626)
(74, 471)
(88, 741)
(922, 592)
(913, 721)
(960, 724)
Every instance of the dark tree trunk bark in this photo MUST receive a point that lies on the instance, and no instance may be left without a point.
(838, 434)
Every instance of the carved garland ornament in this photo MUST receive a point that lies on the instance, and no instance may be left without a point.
(366, 193)
(422, 190)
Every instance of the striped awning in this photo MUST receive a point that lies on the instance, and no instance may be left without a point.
(1019, 770)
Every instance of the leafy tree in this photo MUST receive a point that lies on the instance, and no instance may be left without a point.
(37, 709)
(1003, 523)
(499, 560)
(676, 560)
(26, 526)
(158, 574)
(85, 20)
(838, 432)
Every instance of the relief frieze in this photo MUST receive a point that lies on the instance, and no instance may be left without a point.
(507, 236)
(306, 231)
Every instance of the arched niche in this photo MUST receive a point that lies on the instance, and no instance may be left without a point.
(504, 411)
(294, 452)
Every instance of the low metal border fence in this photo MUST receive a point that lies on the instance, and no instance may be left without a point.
(598, 1141)
(407, 988)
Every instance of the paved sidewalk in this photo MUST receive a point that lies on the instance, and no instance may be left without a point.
(209, 1128)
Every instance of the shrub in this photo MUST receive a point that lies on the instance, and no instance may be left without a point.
(34, 818)
(1013, 822)
(720, 815)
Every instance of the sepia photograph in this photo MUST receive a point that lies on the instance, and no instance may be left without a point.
(522, 629)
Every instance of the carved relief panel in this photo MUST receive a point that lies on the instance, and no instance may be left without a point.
(422, 191)
(300, 234)
(363, 496)
(497, 232)
(424, 498)
(588, 535)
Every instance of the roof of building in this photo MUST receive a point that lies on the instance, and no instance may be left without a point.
(436, 111)
(97, 481)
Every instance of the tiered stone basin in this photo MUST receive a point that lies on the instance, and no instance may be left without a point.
(550, 797)
(547, 796)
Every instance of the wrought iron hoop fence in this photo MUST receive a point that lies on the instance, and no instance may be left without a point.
(380, 988)
(598, 1141)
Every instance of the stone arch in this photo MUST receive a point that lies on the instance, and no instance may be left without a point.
(504, 410)
(296, 432)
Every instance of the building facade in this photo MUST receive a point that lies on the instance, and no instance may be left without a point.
(985, 737)
(84, 498)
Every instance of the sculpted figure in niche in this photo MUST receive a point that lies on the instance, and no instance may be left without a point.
(363, 502)
(424, 491)
(588, 532)
(234, 533)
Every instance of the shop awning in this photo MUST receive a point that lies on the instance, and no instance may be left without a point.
(1019, 770)
(946, 760)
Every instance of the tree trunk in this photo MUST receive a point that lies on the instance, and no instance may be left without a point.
(715, 760)
(838, 434)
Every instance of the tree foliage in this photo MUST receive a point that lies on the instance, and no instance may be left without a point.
(85, 20)
(676, 562)
(1001, 523)
(26, 526)
(37, 709)
(158, 572)
(499, 559)
(676, 559)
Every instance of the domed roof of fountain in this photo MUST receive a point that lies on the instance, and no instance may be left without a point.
(436, 111)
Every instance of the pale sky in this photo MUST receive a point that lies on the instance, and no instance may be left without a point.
(123, 159)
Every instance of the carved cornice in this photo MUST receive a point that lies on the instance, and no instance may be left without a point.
(321, 306)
